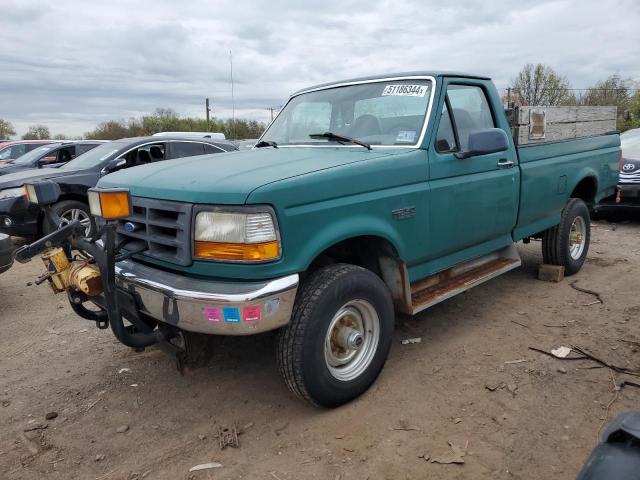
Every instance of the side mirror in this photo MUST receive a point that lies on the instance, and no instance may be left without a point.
(113, 165)
(483, 142)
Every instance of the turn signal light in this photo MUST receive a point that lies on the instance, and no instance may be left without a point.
(110, 204)
(237, 251)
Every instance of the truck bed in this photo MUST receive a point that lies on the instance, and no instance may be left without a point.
(550, 172)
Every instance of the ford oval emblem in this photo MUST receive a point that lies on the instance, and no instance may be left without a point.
(627, 167)
(130, 227)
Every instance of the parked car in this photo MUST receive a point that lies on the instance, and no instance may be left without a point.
(363, 198)
(628, 194)
(629, 185)
(213, 135)
(11, 150)
(6, 252)
(18, 217)
(53, 155)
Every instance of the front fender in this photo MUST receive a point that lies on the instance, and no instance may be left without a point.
(345, 228)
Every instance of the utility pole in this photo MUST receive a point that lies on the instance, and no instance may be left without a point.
(233, 104)
(208, 111)
(274, 111)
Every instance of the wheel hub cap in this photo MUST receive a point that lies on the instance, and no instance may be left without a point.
(75, 214)
(577, 238)
(352, 339)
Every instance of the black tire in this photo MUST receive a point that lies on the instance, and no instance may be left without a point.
(556, 240)
(64, 206)
(301, 344)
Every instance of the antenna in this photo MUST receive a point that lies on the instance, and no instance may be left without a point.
(233, 104)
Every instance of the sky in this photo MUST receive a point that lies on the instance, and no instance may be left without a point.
(72, 64)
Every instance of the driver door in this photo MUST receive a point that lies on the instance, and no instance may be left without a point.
(474, 201)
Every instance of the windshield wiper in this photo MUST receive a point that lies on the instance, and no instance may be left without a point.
(340, 139)
(266, 143)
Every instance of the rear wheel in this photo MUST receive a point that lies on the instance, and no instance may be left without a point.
(567, 243)
(339, 336)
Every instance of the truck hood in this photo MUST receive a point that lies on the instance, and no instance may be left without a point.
(229, 178)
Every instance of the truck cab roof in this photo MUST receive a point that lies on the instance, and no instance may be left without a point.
(383, 76)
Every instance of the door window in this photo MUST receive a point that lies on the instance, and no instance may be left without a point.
(62, 155)
(187, 149)
(445, 138)
(13, 152)
(470, 110)
(84, 148)
(66, 154)
(211, 149)
(145, 155)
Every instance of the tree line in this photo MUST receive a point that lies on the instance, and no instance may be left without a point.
(167, 120)
(162, 120)
(533, 85)
(542, 85)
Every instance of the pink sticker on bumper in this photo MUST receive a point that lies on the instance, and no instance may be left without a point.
(212, 314)
(251, 313)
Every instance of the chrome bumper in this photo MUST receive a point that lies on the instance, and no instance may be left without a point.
(212, 307)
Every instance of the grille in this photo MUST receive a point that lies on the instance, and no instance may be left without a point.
(162, 227)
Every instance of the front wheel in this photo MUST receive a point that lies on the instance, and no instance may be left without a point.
(339, 336)
(567, 243)
(70, 211)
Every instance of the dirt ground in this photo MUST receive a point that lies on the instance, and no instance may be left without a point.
(472, 381)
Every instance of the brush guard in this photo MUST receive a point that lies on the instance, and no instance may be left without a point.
(101, 250)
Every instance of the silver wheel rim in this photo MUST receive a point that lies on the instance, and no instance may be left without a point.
(577, 238)
(74, 214)
(352, 340)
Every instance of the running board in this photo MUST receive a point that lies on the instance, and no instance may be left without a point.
(455, 280)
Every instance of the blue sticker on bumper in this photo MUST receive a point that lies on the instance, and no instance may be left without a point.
(231, 314)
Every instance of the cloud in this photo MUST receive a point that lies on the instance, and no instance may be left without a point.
(73, 64)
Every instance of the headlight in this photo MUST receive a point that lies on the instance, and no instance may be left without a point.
(12, 193)
(110, 204)
(236, 236)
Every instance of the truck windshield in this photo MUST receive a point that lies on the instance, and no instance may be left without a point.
(380, 113)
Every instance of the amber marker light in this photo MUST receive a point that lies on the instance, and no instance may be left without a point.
(110, 204)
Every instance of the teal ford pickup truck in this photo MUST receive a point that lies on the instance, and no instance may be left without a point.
(363, 198)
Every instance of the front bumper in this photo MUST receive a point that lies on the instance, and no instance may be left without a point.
(23, 217)
(6, 253)
(629, 195)
(630, 190)
(208, 306)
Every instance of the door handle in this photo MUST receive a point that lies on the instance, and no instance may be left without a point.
(505, 164)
